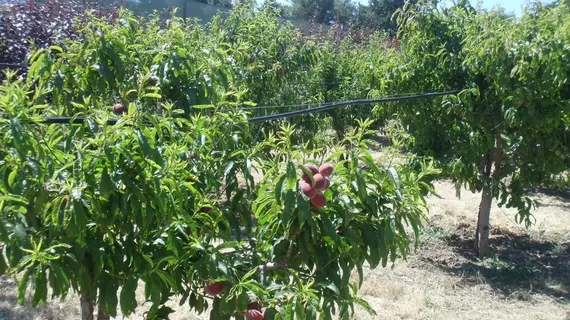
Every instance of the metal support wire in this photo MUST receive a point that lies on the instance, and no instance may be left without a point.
(320, 107)
(328, 106)
(71, 120)
(314, 104)
(13, 65)
(282, 106)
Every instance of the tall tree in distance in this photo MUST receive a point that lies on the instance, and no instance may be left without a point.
(221, 3)
(378, 14)
(317, 11)
(345, 12)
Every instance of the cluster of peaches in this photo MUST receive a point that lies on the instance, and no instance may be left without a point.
(314, 185)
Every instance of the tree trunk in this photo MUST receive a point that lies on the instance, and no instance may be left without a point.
(483, 231)
(86, 306)
(484, 222)
(101, 315)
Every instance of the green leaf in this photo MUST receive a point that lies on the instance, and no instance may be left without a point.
(389, 232)
(243, 300)
(360, 274)
(394, 176)
(366, 306)
(292, 178)
(56, 48)
(79, 214)
(147, 150)
(128, 296)
(12, 178)
(331, 287)
(372, 239)
(299, 309)
(304, 207)
(109, 295)
(40, 287)
(361, 184)
(289, 314)
(23, 285)
(227, 306)
(152, 95)
(106, 187)
(279, 187)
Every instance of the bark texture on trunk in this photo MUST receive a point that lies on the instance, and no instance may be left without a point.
(86, 306)
(484, 223)
(483, 231)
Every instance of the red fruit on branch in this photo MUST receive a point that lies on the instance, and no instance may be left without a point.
(326, 169)
(213, 289)
(313, 168)
(205, 209)
(319, 200)
(253, 306)
(320, 182)
(327, 183)
(253, 315)
(119, 108)
(309, 191)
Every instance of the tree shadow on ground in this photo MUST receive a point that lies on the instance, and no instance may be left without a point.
(11, 309)
(381, 141)
(562, 195)
(517, 266)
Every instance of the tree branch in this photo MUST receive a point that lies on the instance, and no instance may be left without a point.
(276, 265)
(498, 155)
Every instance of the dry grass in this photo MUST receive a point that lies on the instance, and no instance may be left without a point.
(526, 277)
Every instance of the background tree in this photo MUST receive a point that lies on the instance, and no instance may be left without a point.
(317, 11)
(508, 131)
(378, 14)
(222, 3)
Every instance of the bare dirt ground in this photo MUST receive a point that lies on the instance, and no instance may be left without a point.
(527, 275)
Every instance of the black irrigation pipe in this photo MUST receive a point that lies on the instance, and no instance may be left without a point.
(315, 104)
(328, 106)
(13, 65)
(70, 120)
(320, 107)
(282, 106)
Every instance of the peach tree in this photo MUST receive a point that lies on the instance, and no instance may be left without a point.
(139, 189)
(95, 208)
(507, 131)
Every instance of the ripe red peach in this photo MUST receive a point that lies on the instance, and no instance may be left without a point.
(309, 191)
(253, 315)
(213, 289)
(320, 181)
(119, 108)
(319, 200)
(326, 169)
